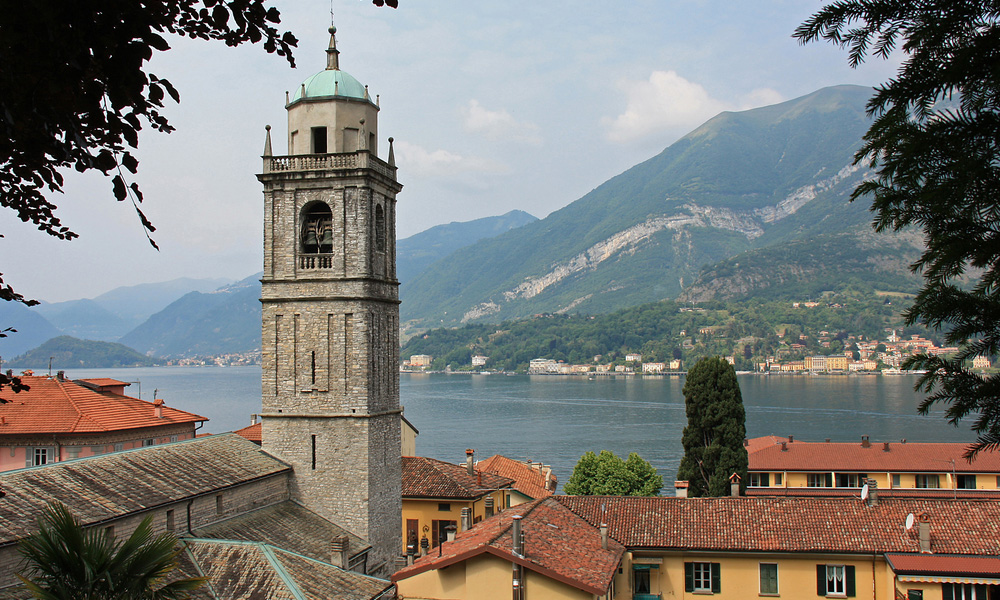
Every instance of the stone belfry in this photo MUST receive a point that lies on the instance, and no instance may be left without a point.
(331, 310)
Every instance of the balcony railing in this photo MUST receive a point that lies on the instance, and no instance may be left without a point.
(315, 261)
(328, 162)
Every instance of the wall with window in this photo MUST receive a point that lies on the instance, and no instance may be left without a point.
(812, 479)
(485, 577)
(748, 575)
(19, 452)
(429, 512)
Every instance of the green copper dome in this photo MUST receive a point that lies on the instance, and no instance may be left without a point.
(328, 83)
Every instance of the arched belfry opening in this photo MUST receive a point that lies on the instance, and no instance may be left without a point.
(379, 228)
(317, 229)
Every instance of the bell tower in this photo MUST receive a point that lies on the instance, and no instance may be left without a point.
(330, 343)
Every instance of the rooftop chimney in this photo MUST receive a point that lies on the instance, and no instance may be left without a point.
(340, 551)
(872, 492)
(885, 446)
(924, 532)
(791, 439)
(466, 519)
(158, 408)
(60, 375)
(489, 506)
(864, 442)
(517, 537)
(450, 531)
(734, 485)
(604, 536)
(681, 489)
(784, 446)
(468, 460)
(253, 419)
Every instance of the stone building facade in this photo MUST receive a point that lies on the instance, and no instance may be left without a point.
(330, 336)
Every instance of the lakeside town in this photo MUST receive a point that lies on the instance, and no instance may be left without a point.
(860, 355)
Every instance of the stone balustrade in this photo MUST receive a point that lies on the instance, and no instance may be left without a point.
(315, 261)
(329, 162)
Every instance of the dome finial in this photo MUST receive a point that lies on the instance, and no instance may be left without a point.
(332, 54)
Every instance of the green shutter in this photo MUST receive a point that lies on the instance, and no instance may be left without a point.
(947, 591)
(716, 578)
(820, 580)
(688, 577)
(849, 576)
(829, 481)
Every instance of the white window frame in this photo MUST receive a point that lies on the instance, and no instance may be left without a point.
(702, 572)
(925, 479)
(39, 453)
(760, 571)
(832, 581)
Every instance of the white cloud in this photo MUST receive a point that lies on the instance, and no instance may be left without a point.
(498, 125)
(441, 163)
(667, 102)
(760, 97)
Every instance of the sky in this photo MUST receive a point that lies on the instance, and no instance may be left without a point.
(493, 105)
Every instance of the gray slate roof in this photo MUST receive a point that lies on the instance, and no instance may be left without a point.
(101, 488)
(253, 571)
(287, 525)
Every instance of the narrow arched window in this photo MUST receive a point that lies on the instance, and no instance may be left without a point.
(317, 229)
(379, 228)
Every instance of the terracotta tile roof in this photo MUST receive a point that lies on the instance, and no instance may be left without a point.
(759, 443)
(287, 525)
(558, 544)
(52, 407)
(250, 432)
(251, 571)
(431, 478)
(110, 486)
(793, 524)
(528, 479)
(911, 457)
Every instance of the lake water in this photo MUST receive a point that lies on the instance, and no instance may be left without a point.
(556, 419)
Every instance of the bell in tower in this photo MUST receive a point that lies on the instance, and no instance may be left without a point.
(330, 335)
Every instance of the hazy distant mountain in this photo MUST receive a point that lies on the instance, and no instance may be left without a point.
(32, 329)
(69, 352)
(84, 319)
(115, 313)
(417, 252)
(742, 181)
(226, 320)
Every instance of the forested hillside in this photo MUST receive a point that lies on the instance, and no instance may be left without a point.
(666, 330)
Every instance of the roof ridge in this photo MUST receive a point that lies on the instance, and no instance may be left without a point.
(504, 529)
(268, 551)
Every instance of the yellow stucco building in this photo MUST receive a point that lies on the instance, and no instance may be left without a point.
(785, 466)
(727, 548)
(437, 494)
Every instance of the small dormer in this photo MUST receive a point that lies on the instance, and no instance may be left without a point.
(331, 111)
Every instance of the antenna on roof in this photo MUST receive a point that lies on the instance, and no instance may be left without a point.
(50, 365)
(864, 492)
(909, 521)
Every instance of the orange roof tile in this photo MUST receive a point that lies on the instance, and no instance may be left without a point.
(907, 457)
(528, 479)
(792, 524)
(431, 478)
(558, 544)
(51, 406)
(250, 432)
(936, 564)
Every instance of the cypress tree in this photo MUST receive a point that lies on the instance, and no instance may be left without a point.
(713, 438)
